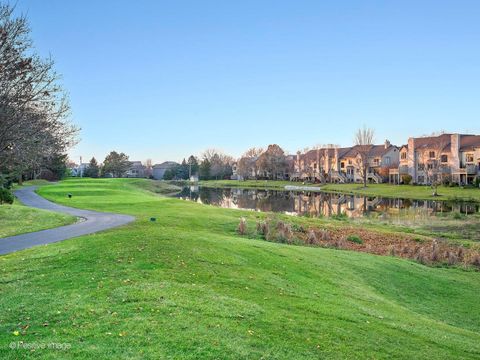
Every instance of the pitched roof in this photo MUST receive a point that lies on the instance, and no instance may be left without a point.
(165, 165)
(374, 151)
(469, 142)
(428, 142)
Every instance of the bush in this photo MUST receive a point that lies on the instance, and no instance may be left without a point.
(355, 239)
(406, 179)
(477, 182)
(242, 227)
(6, 196)
(312, 238)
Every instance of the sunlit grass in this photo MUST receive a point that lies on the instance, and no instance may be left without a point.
(187, 286)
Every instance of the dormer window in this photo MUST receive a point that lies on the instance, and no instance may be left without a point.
(404, 155)
(431, 154)
(469, 158)
(444, 158)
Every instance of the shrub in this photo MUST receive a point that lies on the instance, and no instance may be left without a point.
(421, 256)
(477, 182)
(324, 235)
(355, 239)
(262, 228)
(452, 258)
(475, 260)
(458, 216)
(284, 233)
(434, 256)
(446, 181)
(406, 179)
(392, 251)
(312, 238)
(242, 227)
(6, 196)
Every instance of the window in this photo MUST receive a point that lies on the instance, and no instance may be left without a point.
(376, 162)
(404, 155)
(342, 165)
(421, 167)
(350, 162)
(387, 160)
(469, 158)
(315, 166)
(430, 166)
(431, 154)
(444, 158)
(421, 179)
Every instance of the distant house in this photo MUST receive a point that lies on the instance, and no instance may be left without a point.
(79, 170)
(136, 170)
(194, 178)
(159, 169)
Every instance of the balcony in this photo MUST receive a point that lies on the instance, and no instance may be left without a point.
(471, 169)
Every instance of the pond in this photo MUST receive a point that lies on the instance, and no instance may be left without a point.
(316, 204)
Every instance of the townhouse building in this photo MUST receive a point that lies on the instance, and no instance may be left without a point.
(336, 164)
(446, 157)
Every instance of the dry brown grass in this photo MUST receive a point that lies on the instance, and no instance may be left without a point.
(424, 250)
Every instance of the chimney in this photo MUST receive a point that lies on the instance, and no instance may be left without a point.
(387, 144)
(455, 151)
(411, 159)
(337, 163)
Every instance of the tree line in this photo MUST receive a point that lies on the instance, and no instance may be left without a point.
(35, 131)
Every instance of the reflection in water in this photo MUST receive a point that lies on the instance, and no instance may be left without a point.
(321, 204)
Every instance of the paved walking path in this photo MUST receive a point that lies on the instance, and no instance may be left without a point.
(93, 221)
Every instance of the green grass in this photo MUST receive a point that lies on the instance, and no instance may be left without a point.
(407, 191)
(17, 219)
(383, 190)
(187, 286)
(256, 184)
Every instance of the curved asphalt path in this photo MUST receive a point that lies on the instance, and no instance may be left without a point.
(93, 221)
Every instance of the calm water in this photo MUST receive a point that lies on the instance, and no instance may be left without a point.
(321, 204)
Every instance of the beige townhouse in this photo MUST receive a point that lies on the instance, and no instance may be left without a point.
(335, 164)
(446, 157)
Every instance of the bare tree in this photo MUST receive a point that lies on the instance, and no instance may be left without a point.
(247, 165)
(434, 164)
(219, 165)
(33, 106)
(364, 141)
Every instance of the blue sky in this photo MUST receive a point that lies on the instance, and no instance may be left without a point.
(164, 79)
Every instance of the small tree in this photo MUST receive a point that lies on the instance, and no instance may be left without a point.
(116, 164)
(192, 165)
(364, 141)
(204, 169)
(434, 166)
(93, 168)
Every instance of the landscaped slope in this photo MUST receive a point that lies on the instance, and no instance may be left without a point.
(186, 286)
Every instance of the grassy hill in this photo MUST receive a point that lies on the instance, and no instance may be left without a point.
(187, 286)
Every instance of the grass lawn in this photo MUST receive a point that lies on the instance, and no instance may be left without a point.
(408, 191)
(186, 286)
(384, 190)
(17, 219)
